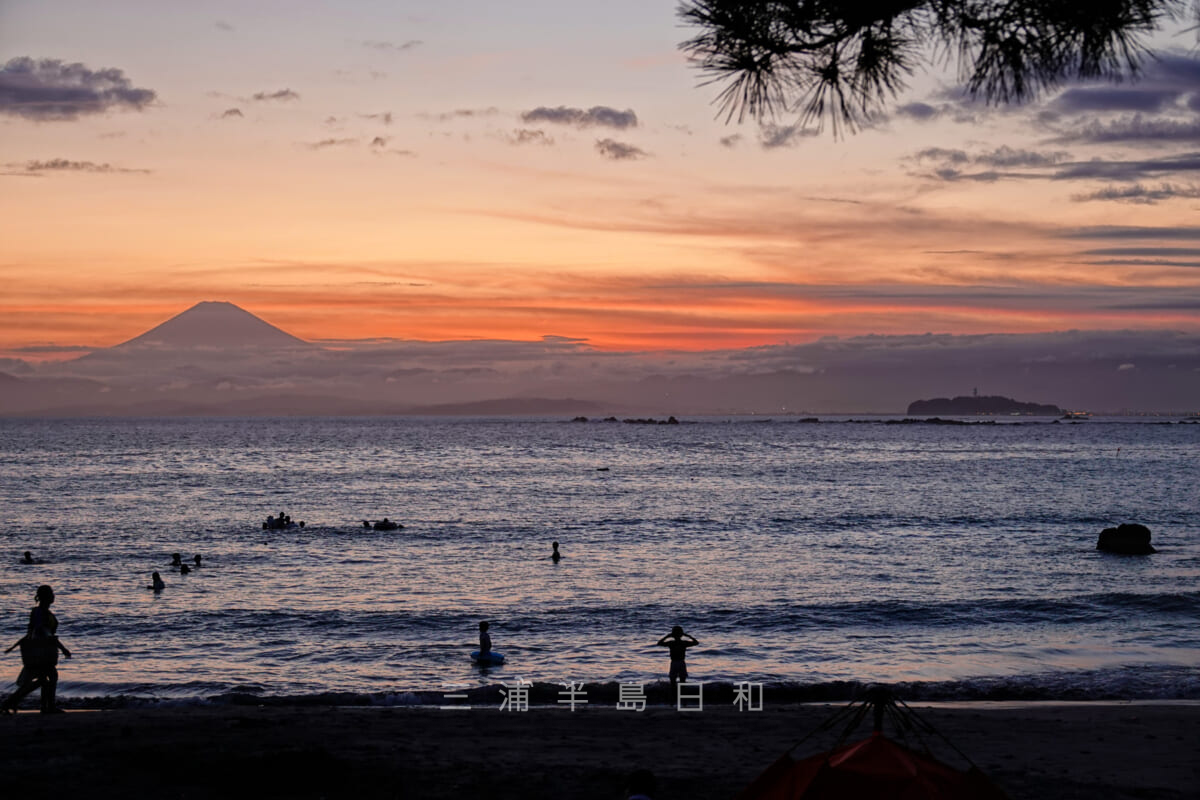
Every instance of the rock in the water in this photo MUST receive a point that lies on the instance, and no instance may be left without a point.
(1128, 539)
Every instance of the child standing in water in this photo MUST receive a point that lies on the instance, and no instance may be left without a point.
(678, 645)
(485, 641)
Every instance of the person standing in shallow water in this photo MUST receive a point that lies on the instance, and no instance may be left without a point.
(485, 641)
(39, 652)
(676, 642)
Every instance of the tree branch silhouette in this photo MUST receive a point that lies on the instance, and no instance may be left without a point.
(844, 60)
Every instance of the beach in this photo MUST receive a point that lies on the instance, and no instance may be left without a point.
(1042, 751)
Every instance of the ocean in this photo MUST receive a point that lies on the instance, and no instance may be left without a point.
(957, 562)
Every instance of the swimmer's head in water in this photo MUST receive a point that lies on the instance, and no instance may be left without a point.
(44, 594)
(555, 544)
(676, 631)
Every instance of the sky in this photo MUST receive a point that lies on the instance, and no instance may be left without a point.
(465, 170)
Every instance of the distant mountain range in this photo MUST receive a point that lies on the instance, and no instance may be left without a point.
(992, 404)
(216, 359)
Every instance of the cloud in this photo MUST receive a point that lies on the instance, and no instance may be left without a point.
(730, 141)
(944, 155)
(232, 112)
(221, 25)
(619, 151)
(384, 116)
(1129, 170)
(1109, 98)
(1006, 157)
(1132, 232)
(1137, 193)
(530, 136)
(379, 141)
(285, 95)
(1132, 130)
(596, 116)
(921, 112)
(771, 136)
(66, 165)
(1003, 157)
(392, 47)
(52, 90)
(325, 143)
(1144, 251)
(462, 113)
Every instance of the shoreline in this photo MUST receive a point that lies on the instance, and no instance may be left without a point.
(1043, 750)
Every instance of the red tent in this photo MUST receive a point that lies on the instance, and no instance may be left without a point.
(876, 768)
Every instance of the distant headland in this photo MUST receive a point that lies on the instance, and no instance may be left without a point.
(992, 404)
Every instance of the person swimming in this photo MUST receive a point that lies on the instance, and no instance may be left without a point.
(157, 584)
(184, 569)
(196, 559)
(555, 556)
(176, 560)
(27, 558)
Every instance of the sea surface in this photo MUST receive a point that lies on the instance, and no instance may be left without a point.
(957, 561)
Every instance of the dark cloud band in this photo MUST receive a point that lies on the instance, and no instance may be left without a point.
(594, 117)
(49, 89)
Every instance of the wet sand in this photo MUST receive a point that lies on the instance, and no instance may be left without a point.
(1042, 751)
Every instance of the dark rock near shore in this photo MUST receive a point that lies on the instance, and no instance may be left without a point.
(1127, 539)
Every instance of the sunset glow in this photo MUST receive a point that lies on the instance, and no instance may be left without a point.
(454, 171)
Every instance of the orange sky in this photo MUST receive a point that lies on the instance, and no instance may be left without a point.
(392, 180)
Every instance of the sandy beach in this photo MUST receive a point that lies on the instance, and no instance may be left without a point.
(1044, 751)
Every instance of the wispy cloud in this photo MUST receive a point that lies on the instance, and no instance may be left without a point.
(50, 90)
(284, 95)
(1144, 232)
(384, 116)
(392, 47)
(327, 143)
(67, 165)
(772, 136)
(221, 25)
(232, 112)
(462, 113)
(1136, 129)
(594, 117)
(619, 151)
(530, 136)
(1144, 195)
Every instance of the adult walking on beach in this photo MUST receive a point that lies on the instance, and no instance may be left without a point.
(678, 642)
(39, 654)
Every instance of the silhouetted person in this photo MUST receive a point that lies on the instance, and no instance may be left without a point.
(156, 582)
(485, 641)
(176, 560)
(640, 785)
(676, 642)
(555, 556)
(27, 558)
(184, 569)
(39, 654)
(366, 524)
(196, 559)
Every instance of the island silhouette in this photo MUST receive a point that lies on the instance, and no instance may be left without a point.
(990, 404)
